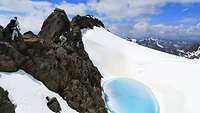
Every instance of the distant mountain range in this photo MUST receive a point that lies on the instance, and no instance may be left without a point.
(187, 49)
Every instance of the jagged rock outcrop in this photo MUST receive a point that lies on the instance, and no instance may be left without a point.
(86, 21)
(64, 69)
(56, 24)
(6, 105)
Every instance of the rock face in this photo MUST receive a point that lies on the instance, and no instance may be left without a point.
(65, 69)
(5, 104)
(10, 57)
(56, 24)
(87, 21)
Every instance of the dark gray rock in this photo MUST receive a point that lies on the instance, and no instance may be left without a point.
(86, 21)
(7, 64)
(53, 104)
(1, 33)
(56, 24)
(6, 105)
(29, 34)
(10, 57)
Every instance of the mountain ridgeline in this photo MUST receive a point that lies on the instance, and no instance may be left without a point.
(187, 49)
(66, 70)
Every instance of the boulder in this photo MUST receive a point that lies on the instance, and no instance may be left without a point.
(30, 37)
(29, 34)
(56, 24)
(6, 105)
(53, 104)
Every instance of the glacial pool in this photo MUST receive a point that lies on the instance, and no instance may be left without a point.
(129, 96)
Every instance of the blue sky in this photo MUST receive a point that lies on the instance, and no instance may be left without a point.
(172, 12)
(133, 18)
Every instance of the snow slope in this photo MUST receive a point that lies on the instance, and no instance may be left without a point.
(29, 94)
(173, 80)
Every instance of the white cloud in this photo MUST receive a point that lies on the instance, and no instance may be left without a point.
(32, 13)
(189, 20)
(141, 27)
(144, 29)
(177, 31)
(24, 6)
(119, 9)
(73, 9)
(185, 10)
(4, 20)
(183, 1)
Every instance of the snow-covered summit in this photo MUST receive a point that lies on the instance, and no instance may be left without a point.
(172, 79)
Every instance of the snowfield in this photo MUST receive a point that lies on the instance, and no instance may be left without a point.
(173, 80)
(29, 94)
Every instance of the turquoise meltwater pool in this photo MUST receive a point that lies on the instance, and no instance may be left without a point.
(129, 96)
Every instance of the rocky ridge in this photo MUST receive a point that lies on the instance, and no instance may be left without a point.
(65, 69)
(185, 49)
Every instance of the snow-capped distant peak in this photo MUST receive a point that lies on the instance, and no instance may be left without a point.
(159, 45)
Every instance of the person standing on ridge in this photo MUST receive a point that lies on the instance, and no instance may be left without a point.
(15, 27)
